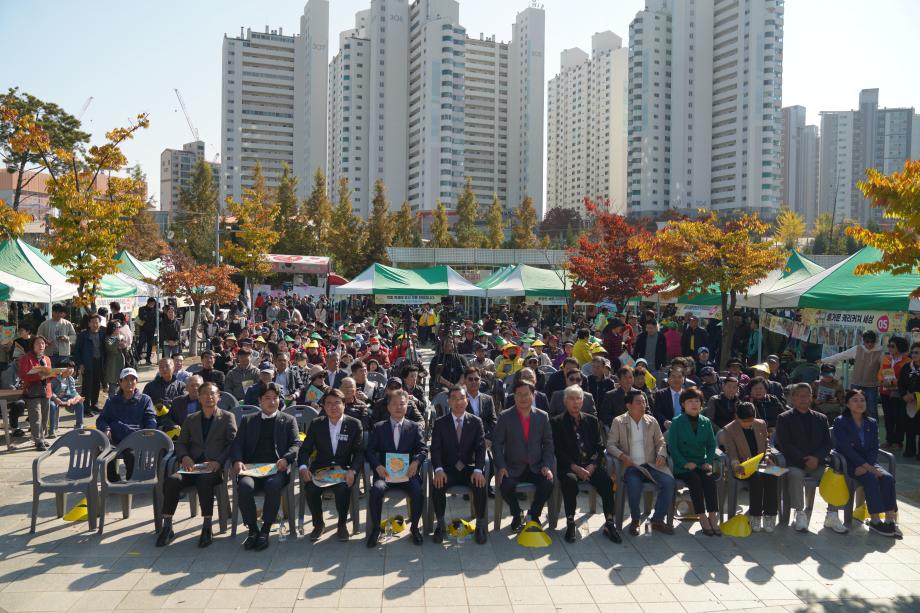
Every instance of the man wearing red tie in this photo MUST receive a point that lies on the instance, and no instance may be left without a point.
(458, 455)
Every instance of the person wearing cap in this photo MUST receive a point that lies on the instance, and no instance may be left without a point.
(125, 413)
(467, 344)
(376, 351)
(206, 438)
(481, 361)
(539, 349)
(242, 376)
(266, 376)
(710, 383)
(803, 437)
(643, 379)
(827, 393)
(578, 443)
(776, 373)
(867, 359)
(510, 362)
(398, 435)
(703, 361)
(267, 437)
(208, 373)
(762, 371)
(523, 452)
(314, 355)
(34, 369)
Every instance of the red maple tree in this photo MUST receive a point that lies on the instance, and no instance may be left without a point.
(604, 263)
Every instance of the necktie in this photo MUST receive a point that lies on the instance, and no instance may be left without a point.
(396, 436)
(459, 421)
(459, 465)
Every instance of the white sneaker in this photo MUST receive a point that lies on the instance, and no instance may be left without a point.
(769, 522)
(755, 523)
(833, 522)
(801, 521)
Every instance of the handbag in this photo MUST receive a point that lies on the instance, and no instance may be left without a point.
(833, 488)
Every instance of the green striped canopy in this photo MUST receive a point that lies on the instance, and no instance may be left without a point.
(378, 279)
(26, 276)
(111, 286)
(523, 280)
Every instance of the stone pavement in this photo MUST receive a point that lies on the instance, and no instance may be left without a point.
(64, 567)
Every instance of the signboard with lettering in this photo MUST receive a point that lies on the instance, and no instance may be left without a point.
(879, 321)
(406, 299)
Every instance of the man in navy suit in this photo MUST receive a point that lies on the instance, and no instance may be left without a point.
(458, 457)
(267, 437)
(396, 435)
(337, 440)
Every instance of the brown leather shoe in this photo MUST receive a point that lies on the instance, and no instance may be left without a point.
(660, 526)
(634, 528)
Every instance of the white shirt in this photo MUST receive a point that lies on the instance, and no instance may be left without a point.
(264, 416)
(281, 379)
(334, 430)
(475, 403)
(637, 441)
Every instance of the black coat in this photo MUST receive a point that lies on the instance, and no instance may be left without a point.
(614, 404)
(795, 441)
(701, 340)
(287, 438)
(566, 443)
(380, 443)
(446, 451)
(486, 413)
(661, 349)
(349, 453)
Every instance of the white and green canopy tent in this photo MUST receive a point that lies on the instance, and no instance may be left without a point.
(112, 286)
(839, 288)
(408, 286)
(135, 268)
(524, 280)
(798, 268)
(26, 276)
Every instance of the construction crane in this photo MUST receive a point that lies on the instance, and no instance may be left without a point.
(187, 118)
(85, 106)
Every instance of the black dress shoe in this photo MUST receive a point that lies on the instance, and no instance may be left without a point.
(417, 538)
(342, 533)
(373, 538)
(482, 534)
(570, 532)
(261, 541)
(438, 535)
(611, 532)
(41, 446)
(517, 523)
(317, 532)
(250, 541)
(206, 537)
(165, 537)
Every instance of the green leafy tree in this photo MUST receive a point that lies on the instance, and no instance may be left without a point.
(440, 228)
(347, 234)
(194, 226)
(495, 224)
(310, 233)
(465, 232)
(831, 239)
(523, 226)
(252, 237)
(287, 210)
(61, 129)
(380, 228)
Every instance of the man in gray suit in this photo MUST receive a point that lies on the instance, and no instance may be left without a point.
(206, 438)
(522, 446)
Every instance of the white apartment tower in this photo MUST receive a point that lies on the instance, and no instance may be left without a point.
(274, 102)
(705, 83)
(853, 141)
(800, 164)
(586, 119)
(413, 100)
(177, 169)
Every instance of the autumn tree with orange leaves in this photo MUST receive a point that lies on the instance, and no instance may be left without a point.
(696, 255)
(606, 260)
(898, 195)
(92, 215)
(197, 283)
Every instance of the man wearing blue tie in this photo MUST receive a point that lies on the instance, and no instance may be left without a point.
(396, 435)
(666, 401)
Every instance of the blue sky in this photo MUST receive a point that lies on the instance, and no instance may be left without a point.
(130, 55)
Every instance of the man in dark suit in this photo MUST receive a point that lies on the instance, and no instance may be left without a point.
(396, 435)
(579, 446)
(337, 440)
(206, 438)
(643, 348)
(458, 457)
(267, 437)
(557, 380)
(693, 337)
(666, 401)
(522, 446)
(556, 403)
(290, 378)
(614, 403)
(479, 404)
(89, 356)
(336, 374)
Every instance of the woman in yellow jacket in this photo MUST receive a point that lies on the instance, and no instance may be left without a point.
(427, 324)
(510, 362)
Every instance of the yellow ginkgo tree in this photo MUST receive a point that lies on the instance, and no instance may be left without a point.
(253, 235)
(898, 195)
(94, 207)
(12, 223)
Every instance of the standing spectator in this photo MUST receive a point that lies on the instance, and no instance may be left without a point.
(867, 359)
(90, 359)
(652, 345)
(115, 349)
(148, 329)
(35, 374)
(170, 340)
(908, 388)
(892, 403)
(693, 337)
(60, 334)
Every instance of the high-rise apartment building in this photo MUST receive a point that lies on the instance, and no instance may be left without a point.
(177, 168)
(800, 164)
(274, 102)
(586, 133)
(853, 141)
(705, 123)
(416, 102)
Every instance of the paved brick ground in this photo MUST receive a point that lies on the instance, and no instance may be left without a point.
(63, 567)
